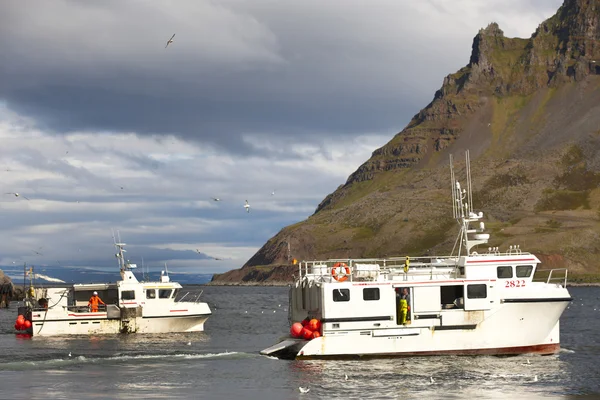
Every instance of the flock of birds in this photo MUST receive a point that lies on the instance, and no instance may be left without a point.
(246, 204)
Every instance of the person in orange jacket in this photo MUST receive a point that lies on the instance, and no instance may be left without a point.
(94, 301)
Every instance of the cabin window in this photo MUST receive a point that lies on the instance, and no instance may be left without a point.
(341, 294)
(175, 292)
(477, 291)
(164, 293)
(505, 272)
(370, 294)
(524, 271)
(452, 296)
(150, 293)
(128, 295)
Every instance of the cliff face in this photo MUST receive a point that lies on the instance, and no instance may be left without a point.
(528, 110)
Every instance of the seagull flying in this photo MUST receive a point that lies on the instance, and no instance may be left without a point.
(169, 41)
(273, 193)
(216, 199)
(17, 195)
(303, 390)
(247, 206)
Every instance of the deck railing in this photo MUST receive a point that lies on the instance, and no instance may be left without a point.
(422, 266)
(555, 275)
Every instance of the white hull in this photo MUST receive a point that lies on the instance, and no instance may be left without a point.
(512, 329)
(101, 325)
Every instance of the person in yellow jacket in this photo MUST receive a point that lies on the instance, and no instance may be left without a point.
(94, 301)
(404, 305)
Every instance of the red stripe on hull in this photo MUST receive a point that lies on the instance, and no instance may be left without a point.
(543, 349)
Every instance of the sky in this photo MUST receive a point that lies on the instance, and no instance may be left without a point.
(105, 130)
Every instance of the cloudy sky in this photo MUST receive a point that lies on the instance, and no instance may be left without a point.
(102, 127)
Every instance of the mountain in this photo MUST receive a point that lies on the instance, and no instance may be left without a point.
(52, 275)
(529, 112)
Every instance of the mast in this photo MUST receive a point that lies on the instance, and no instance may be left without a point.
(462, 208)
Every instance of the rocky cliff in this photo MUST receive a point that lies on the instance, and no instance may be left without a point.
(529, 112)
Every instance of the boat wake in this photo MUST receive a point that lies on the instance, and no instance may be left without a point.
(119, 358)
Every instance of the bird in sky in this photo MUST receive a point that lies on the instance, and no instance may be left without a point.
(170, 41)
(247, 206)
(216, 199)
(17, 195)
(217, 258)
(273, 193)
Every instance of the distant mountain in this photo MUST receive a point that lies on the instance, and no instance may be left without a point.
(49, 275)
(529, 112)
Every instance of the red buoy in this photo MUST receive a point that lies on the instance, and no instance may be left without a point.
(307, 333)
(27, 324)
(305, 322)
(314, 325)
(296, 329)
(17, 327)
(21, 317)
(316, 334)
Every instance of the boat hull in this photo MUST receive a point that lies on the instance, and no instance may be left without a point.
(515, 328)
(100, 324)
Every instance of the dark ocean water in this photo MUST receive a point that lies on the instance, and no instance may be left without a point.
(224, 362)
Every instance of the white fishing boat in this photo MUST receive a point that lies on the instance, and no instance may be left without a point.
(130, 306)
(473, 302)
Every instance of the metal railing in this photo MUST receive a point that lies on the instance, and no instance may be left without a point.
(554, 276)
(422, 266)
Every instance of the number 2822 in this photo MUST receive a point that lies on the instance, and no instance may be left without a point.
(515, 283)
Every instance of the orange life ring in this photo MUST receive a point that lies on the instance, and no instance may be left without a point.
(337, 274)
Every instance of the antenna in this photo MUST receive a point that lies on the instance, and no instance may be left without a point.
(469, 187)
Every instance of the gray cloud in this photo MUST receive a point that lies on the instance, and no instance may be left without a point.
(293, 70)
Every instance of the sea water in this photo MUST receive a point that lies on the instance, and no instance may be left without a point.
(224, 361)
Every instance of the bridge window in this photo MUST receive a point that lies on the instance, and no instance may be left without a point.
(505, 272)
(370, 294)
(341, 294)
(164, 293)
(128, 295)
(150, 293)
(477, 291)
(524, 271)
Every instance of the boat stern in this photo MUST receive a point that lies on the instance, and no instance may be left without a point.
(287, 349)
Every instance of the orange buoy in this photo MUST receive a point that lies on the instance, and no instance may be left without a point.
(314, 325)
(21, 317)
(307, 333)
(316, 334)
(296, 329)
(27, 324)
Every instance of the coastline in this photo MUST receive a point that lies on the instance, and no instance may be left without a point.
(582, 284)
(274, 283)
